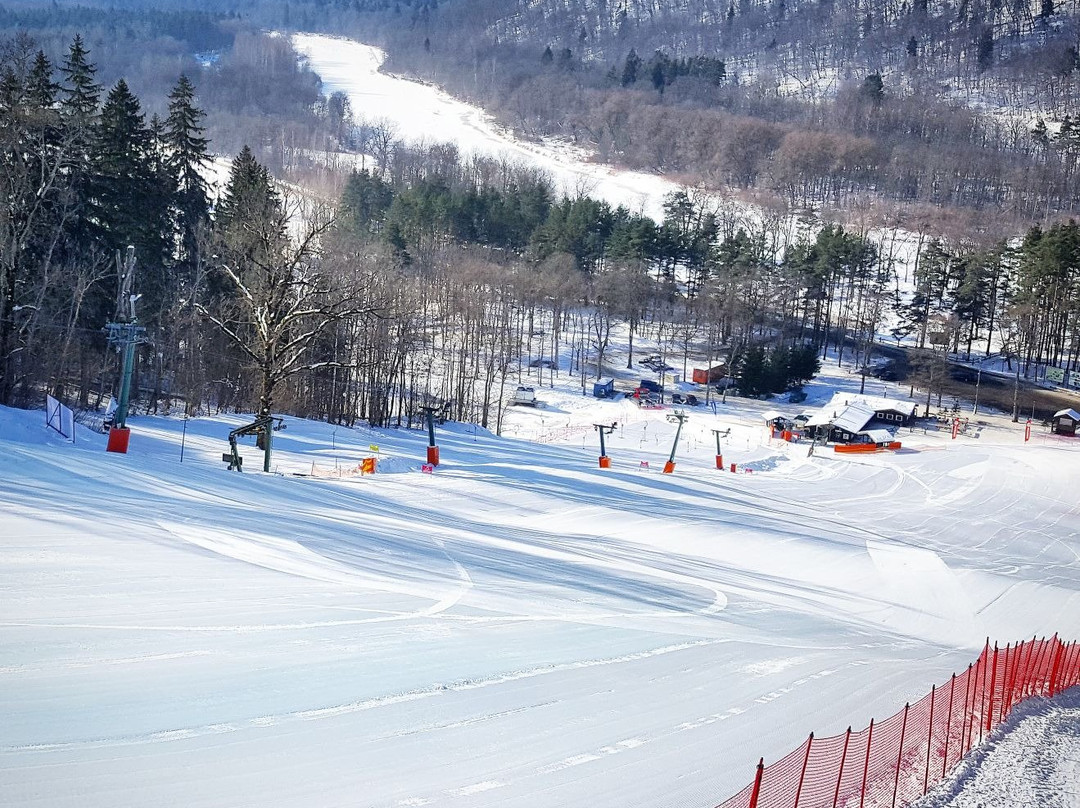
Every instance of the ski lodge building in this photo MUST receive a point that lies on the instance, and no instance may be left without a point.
(846, 417)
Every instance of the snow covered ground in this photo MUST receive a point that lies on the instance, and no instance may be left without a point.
(518, 628)
(1033, 760)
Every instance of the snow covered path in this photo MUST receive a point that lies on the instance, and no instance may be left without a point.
(519, 628)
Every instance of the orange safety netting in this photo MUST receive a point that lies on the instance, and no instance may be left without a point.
(895, 761)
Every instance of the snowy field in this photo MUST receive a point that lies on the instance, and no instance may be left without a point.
(520, 627)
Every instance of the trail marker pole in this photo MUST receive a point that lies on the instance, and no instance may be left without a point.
(929, 740)
(840, 770)
(866, 765)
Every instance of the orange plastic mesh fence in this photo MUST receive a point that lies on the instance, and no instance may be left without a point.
(893, 762)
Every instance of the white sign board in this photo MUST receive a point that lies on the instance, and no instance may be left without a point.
(60, 418)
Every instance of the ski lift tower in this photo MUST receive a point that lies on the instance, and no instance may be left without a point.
(125, 333)
(720, 433)
(432, 450)
(263, 429)
(604, 429)
(676, 417)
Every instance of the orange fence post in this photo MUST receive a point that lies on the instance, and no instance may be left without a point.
(866, 764)
(948, 726)
(757, 783)
(840, 773)
(1054, 668)
(900, 756)
(1018, 677)
(982, 696)
(993, 686)
(1040, 674)
(1030, 648)
(806, 759)
(929, 740)
(1006, 684)
(1018, 673)
(969, 697)
(1032, 666)
(1012, 679)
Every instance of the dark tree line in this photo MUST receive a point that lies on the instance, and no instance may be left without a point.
(86, 175)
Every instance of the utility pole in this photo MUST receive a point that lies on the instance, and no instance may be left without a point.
(125, 333)
(978, 381)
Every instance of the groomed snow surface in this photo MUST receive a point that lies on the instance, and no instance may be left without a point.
(519, 628)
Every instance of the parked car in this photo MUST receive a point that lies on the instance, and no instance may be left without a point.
(655, 363)
(524, 397)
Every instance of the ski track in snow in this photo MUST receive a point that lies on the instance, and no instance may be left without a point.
(345, 709)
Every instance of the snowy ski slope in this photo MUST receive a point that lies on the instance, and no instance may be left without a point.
(518, 628)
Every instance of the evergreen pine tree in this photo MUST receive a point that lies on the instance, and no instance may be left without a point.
(250, 221)
(186, 156)
(80, 92)
(364, 203)
(1039, 133)
(630, 68)
(123, 183)
(41, 90)
(753, 372)
(79, 96)
(984, 49)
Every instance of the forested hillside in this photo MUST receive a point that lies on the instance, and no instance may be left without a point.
(818, 103)
(426, 277)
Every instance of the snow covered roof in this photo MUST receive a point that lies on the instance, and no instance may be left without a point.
(878, 435)
(772, 415)
(875, 403)
(852, 417)
(1070, 413)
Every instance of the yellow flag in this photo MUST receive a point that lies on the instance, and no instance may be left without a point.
(373, 446)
